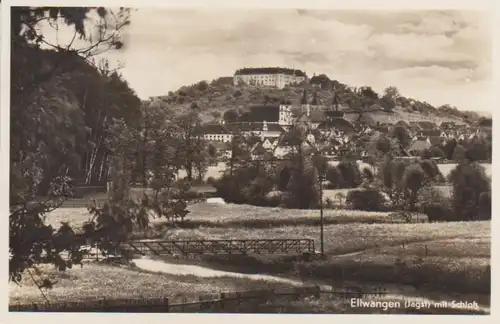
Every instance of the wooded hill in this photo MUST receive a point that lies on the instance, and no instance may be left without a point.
(212, 99)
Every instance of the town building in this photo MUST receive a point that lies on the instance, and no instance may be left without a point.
(269, 76)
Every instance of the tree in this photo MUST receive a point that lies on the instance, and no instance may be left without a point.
(191, 143)
(202, 86)
(433, 152)
(239, 150)
(469, 181)
(402, 136)
(390, 177)
(284, 178)
(42, 149)
(392, 92)
(334, 177)
(230, 116)
(362, 99)
(449, 148)
(459, 153)
(414, 180)
(484, 206)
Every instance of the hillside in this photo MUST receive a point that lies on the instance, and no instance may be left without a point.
(212, 99)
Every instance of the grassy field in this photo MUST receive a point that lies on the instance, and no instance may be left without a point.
(359, 246)
(346, 231)
(244, 216)
(97, 281)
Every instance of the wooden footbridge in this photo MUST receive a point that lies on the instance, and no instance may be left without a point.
(220, 247)
(186, 248)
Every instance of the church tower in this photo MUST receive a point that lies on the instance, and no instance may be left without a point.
(305, 107)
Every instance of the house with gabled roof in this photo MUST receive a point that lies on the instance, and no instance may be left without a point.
(263, 129)
(217, 133)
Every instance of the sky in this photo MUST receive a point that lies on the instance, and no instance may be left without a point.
(442, 57)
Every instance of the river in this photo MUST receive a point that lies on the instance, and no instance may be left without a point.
(404, 293)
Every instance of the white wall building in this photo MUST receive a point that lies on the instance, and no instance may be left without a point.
(270, 77)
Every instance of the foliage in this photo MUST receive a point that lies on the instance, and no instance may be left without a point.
(349, 173)
(284, 178)
(334, 177)
(365, 199)
(61, 103)
(449, 148)
(478, 150)
(245, 185)
(433, 152)
(437, 212)
(431, 170)
(414, 179)
(191, 147)
(401, 135)
(303, 190)
(459, 153)
(485, 206)
(469, 181)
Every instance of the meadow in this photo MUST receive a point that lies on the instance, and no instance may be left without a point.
(360, 247)
(100, 281)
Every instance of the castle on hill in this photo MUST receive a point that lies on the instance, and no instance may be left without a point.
(269, 76)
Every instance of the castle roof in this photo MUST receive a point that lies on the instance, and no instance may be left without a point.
(261, 113)
(270, 70)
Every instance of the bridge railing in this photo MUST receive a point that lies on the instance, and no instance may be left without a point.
(218, 247)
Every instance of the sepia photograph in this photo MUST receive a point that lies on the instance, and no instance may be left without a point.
(253, 160)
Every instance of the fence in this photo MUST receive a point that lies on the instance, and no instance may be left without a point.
(219, 247)
(229, 301)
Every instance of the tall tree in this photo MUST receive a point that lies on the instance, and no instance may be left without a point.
(47, 124)
(191, 143)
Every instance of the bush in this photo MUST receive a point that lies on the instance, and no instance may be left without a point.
(349, 172)
(237, 94)
(469, 181)
(202, 86)
(229, 189)
(485, 206)
(211, 180)
(365, 199)
(303, 190)
(436, 212)
(431, 170)
(334, 177)
(255, 192)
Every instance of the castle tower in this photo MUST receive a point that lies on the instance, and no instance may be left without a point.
(335, 101)
(303, 101)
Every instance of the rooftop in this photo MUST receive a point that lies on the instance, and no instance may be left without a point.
(270, 70)
(268, 113)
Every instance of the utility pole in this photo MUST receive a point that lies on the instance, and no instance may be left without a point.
(321, 213)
